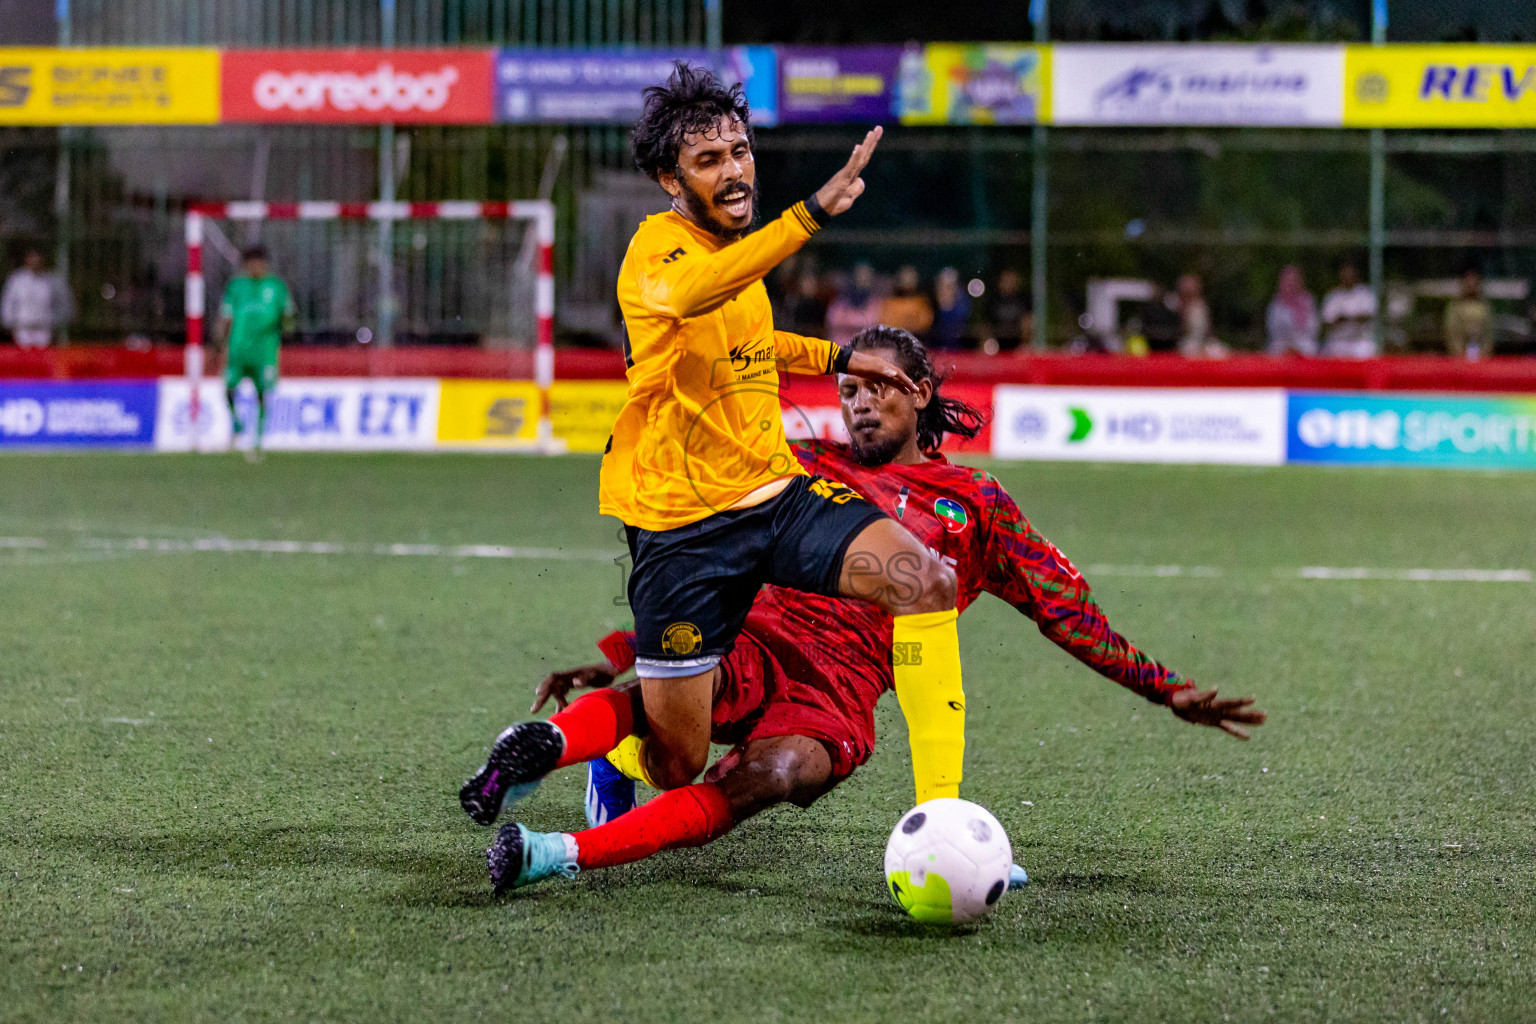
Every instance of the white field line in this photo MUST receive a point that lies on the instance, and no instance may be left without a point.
(225, 545)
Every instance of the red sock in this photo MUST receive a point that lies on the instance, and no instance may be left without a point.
(691, 816)
(594, 725)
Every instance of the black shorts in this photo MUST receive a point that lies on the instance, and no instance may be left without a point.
(692, 587)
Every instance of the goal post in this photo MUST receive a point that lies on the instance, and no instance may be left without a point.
(540, 213)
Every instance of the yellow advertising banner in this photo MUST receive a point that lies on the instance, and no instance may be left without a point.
(975, 83)
(583, 411)
(108, 86)
(488, 413)
(1440, 86)
(505, 413)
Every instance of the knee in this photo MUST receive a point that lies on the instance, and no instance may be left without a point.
(939, 589)
(767, 780)
(671, 769)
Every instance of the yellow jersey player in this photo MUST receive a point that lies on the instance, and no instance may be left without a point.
(713, 502)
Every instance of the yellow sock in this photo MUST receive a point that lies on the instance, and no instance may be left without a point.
(925, 658)
(629, 758)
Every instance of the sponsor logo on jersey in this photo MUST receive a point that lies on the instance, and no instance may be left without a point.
(951, 513)
(681, 638)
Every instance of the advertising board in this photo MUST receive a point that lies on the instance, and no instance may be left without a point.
(1197, 84)
(77, 414)
(307, 414)
(1440, 86)
(109, 85)
(358, 86)
(1473, 432)
(1242, 426)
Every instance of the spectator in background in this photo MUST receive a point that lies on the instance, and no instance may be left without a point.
(856, 308)
(1291, 320)
(1469, 319)
(1349, 314)
(33, 303)
(803, 309)
(907, 307)
(951, 312)
(1195, 338)
(1009, 321)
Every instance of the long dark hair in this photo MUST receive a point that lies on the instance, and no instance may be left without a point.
(691, 102)
(943, 415)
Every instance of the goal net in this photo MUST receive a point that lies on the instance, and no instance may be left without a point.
(478, 273)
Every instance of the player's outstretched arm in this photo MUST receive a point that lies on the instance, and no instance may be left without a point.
(1031, 573)
(1235, 716)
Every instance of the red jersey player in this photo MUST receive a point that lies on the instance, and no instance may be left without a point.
(796, 697)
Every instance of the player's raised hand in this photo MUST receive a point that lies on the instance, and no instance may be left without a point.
(559, 684)
(862, 364)
(838, 194)
(1232, 715)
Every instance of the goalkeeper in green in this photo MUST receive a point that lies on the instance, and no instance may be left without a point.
(256, 311)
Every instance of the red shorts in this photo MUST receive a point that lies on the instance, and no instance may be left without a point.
(773, 686)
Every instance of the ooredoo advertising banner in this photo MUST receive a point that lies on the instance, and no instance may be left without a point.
(842, 84)
(358, 86)
(594, 87)
(1197, 84)
(1482, 432)
(306, 414)
(1440, 86)
(1196, 425)
(109, 86)
(77, 414)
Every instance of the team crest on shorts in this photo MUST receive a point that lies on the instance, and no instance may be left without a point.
(951, 513)
(682, 638)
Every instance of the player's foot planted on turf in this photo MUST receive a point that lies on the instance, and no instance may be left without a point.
(522, 755)
(521, 857)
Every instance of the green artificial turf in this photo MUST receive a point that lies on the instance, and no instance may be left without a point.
(227, 780)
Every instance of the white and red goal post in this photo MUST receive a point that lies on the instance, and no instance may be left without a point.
(538, 211)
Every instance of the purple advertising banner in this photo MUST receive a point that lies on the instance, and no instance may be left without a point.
(838, 83)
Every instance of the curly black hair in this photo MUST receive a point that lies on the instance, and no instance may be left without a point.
(942, 415)
(691, 102)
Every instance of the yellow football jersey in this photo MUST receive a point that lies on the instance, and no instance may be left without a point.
(702, 426)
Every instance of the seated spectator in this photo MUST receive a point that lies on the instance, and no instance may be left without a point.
(907, 307)
(855, 308)
(1469, 319)
(1349, 314)
(803, 311)
(1291, 320)
(1195, 338)
(1009, 322)
(952, 311)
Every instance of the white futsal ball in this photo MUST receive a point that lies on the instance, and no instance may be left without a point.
(948, 861)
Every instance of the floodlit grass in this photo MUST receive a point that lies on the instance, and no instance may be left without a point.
(227, 780)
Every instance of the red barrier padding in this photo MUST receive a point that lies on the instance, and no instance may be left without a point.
(1403, 373)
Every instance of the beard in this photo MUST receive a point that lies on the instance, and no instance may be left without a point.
(879, 451)
(697, 209)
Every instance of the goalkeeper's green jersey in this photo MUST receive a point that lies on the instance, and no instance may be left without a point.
(259, 308)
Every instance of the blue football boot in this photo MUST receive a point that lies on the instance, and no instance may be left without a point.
(610, 792)
(1017, 879)
(520, 857)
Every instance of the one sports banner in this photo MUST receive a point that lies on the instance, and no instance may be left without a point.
(358, 86)
(1243, 426)
(306, 414)
(77, 414)
(1440, 86)
(116, 85)
(1473, 432)
(1197, 84)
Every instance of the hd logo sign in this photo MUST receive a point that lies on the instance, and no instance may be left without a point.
(1440, 87)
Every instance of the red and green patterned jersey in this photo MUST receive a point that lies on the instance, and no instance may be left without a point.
(966, 519)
